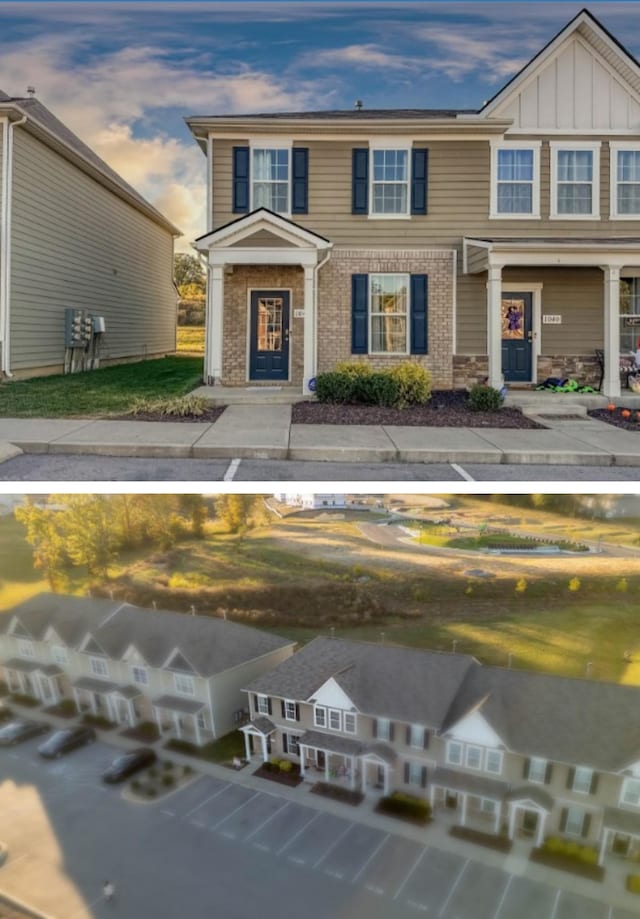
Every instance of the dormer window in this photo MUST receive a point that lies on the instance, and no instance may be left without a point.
(98, 666)
(184, 684)
(25, 648)
(60, 655)
(140, 675)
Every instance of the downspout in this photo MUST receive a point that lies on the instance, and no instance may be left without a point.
(316, 269)
(5, 234)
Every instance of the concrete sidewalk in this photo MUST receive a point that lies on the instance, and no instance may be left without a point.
(265, 432)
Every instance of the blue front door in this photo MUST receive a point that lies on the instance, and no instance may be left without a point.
(269, 335)
(516, 312)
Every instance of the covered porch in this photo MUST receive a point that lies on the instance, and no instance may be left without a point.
(620, 834)
(473, 800)
(258, 733)
(527, 813)
(530, 338)
(261, 314)
(42, 681)
(184, 719)
(93, 697)
(333, 760)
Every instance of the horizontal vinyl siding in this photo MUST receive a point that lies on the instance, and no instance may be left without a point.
(76, 244)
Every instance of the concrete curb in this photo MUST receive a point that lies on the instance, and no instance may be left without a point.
(9, 451)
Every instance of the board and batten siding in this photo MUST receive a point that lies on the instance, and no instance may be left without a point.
(76, 244)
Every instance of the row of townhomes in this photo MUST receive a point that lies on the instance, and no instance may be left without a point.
(495, 241)
(502, 750)
(133, 666)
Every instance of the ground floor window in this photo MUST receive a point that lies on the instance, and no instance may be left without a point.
(389, 298)
(574, 823)
(629, 315)
(488, 806)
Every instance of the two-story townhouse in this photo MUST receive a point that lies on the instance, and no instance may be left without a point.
(130, 665)
(486, 243)
(518, 753)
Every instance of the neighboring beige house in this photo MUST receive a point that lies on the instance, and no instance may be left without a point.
(505, 751)
(130, 665)
(479, 243)
(74, 234)
(309, 501)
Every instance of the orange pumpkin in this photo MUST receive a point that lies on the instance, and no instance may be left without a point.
(625, 413)
(611, 407)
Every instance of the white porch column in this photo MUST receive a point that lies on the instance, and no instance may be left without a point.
(494, 325)
(158, 715)
(132, 713)
(215, 313)
(94, 705)
(353, 773)
(302, 753)
(309, 362)
(265, 755)
(176, 724)
(512, 821)
(76, 697)
(247, 748)
(196, 726)
(498, 814)
(386, 780)
(326, 766)
(463, 812)
(542, 822)
(603, 846)
(611, 382)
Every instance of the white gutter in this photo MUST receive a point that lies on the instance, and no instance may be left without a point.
(5, 242)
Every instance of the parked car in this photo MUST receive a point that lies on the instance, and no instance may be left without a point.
(19, 730)
(66, 740)
(128, 764)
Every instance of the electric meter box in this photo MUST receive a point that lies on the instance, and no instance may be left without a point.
(99, 325)
(78, 328)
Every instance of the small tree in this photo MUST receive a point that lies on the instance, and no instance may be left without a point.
(574, 585)
(521, 586)
(622, 586)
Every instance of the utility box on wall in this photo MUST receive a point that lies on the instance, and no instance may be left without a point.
(78, 328)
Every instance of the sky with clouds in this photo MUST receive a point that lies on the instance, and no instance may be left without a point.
(123, 75)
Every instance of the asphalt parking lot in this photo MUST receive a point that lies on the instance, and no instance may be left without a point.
(218, 848)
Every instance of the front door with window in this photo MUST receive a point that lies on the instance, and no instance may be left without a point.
(517, 334)
(269, 335)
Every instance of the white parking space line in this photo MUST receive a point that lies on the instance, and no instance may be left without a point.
(206, 801)
(443, 908)
(234, 811)
(463, 472)
(265, 822)
(555, 905)
(299, 833)
(415, 865)
(370, 859)
(333, 845)
(503, 897)
(231, 470)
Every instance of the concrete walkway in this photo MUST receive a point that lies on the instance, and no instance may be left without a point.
(265, 432)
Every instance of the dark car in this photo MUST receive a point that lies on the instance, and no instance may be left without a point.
(20, 729)
(128, 764)
(65, 741)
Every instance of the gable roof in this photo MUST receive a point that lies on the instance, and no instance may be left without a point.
(51, 129)
(211, 645)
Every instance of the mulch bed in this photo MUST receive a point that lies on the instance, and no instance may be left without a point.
(208, 416)
(416, 820)
(338, 794)
(447, 409)
(292, 779)
(62, 711)
(142, 733)
(490, 840)
(616, 419)
(567, 863)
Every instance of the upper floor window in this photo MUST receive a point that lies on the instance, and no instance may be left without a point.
(184, 684)
(389, 299)
(335, 719)
(290, 710)
(383, 729)
(575, 184)
(59, 655)
(625, 181)
(98, 666)
(270, 171)
(25, 648)
(515, 185)
(320, 716)
(454, 753)
(631, 792)
(582, 780)
(537, 771)
(140, 675)
(493, 761)
(389, 182)
(416, 736)
(350, 723)
(262, 705)
(474, 757)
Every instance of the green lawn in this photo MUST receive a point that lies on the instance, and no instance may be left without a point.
(191, 339)
(100, 392)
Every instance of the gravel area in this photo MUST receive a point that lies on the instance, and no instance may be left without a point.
(447, 409)
(208, 416)
(616, 419)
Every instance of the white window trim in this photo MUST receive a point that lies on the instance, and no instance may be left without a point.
(628, 779)
(184, 676)
(580, 791)
(355, 722)
(538, 759)
(390, 144)
(613, 186)
(453, 762)
(407, 315)
(387, 735)
(60, 655)
(486, 761)
(141, 669)
(566, 828)
(554, 147)
(96, 664)
(26, 648)
(418, 766)
(334, 711)
(468, 749)
(323, 709)
(262, 700)
(286, 715)
(271, 143)
(534, 145)
(420, 744)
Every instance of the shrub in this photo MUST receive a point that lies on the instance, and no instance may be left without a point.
(167, 764)
(285, 765)
(153, 773)
(633, 883)
(377, 389)
(136, 785)
(484, 398)
(180, 406)
(151, 792)
(354, 368)
(414, 383)
(187, 770)
(335, 387)
(554, 844)
(404, 805)
(570, 848)
(168, 781)
(274, 765)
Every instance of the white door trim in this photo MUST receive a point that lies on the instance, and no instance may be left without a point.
(250, 290)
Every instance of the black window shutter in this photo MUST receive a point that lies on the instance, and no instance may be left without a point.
(594, 783)
(297, 712)
(423, 777)
(548, 774)
(359, 313)
(419, 336)
(374, 727)
(563, 819)
(269, 707)
(300, 180)
(255, 703)
(570, 776)
(586, 824)
(282, 708)
(425, 740)
(406, 773)
(408, 735)
(285, 746)
(419, 177)
(525, 768)
(391, 730)
(360, 181)
(240, 180)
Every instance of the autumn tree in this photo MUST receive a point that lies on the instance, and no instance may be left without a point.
(43, 536)
(189, 276)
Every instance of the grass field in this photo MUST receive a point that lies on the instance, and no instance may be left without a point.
(100, 392)
(191, 339)
(15, 557)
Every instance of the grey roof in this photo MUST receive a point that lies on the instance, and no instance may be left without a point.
(560, 241)
(128, 692)
(103, 687)
(382, 750)
(363, 114)
(334, 743)
(39, 113)
(469, 781)
(17, 663)
(209, 645)
(178, 704)
(405, 684)
(531, 793)
(622, 821)
(263, 725)
(51, 670)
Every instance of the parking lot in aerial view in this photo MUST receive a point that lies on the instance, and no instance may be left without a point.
(231, 850)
